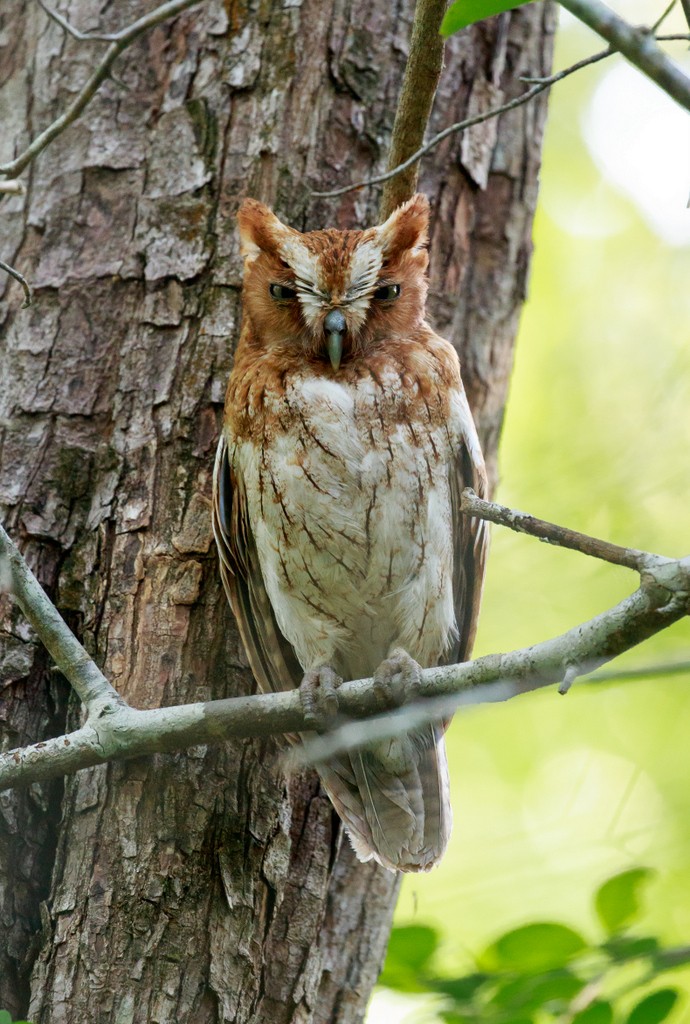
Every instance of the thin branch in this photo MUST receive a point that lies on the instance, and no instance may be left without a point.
(636, 44)
(66, 651)
(123, 39)
(685, 4)
(22, 280)
(664, 668)
(106, 37)
(422, 74)
(423, 150)
(538, 85)
(12, 188)
(662, 18)
(522, 522)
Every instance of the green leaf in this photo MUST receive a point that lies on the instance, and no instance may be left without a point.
(617, 901)
(409, 950)
(451, 1017)
(460, 989)
(5, 1017)
(535, 992)
(414, 945)
(534, 948)
(596, 1013)
(654, 1008)
(465, 12)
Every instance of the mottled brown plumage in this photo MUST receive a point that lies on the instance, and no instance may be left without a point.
(346, 443)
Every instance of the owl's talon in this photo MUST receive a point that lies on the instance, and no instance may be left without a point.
(397, 680)
(318, 693)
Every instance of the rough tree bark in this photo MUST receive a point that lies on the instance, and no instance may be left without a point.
(206, 886)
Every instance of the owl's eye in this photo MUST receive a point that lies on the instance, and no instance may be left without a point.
(279, 291)
(387, 292)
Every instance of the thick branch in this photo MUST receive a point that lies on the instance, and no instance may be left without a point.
(499, 677)
(64, 648)
(636, 44)
(419, 85)
(122, 39)
(124, 732)
(114, 730)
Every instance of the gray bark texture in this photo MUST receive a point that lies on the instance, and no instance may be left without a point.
(209, 886)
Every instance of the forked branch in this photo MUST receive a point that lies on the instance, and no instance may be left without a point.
(120, 41)
(113, 730)
(537, 86)
(636, 44)
(62, 645)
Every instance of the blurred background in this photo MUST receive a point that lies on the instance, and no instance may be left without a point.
(553, 795)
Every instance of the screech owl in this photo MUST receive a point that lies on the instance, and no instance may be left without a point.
(347, 441)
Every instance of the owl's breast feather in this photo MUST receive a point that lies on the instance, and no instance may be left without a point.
(349, 500)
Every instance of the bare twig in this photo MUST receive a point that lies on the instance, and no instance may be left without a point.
(538, 85)
(522, 522)
(12, 188)
(685, 4)
(105, 37)
(423, 150)
(662, 18)
(571, 674)
(68, 654)
(22, 280)
(664, 668)
(122, 40)
(636, 44)
(419, 85)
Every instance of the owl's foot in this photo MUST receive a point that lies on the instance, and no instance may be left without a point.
(397, 680)
(318, 693)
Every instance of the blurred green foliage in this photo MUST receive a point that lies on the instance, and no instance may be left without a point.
(547, 973)
(553, 796)
(6, 1018)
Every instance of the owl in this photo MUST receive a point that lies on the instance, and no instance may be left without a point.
(346, 443)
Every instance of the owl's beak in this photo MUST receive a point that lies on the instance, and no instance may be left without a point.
(334, 325)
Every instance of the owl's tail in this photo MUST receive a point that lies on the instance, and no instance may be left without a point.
(394, 800)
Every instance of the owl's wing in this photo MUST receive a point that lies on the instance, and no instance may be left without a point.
(271, 657)
(470, 537)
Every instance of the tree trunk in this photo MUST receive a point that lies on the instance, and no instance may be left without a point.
(208, 886)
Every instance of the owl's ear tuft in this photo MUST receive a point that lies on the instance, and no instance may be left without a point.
(260, 230)
(406, 228)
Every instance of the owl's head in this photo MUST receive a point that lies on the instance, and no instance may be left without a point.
(332, 295)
